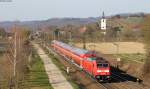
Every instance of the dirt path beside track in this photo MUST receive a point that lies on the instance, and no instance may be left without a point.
(55, 76)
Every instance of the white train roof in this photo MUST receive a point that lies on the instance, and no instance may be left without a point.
(75, 50)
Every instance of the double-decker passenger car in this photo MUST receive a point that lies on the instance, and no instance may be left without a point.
(97, 67)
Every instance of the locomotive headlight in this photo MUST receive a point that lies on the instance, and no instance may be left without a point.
(99, 71)
(106, 70)
(102, 71)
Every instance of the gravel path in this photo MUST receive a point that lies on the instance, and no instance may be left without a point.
(56, 79)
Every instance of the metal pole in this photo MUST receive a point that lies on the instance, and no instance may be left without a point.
(70, 38)
(14, 61)
(54, 39)
(54, 36)
(58, 37)
(84, 41)
(15, 54)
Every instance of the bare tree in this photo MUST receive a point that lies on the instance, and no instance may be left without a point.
(16, 57)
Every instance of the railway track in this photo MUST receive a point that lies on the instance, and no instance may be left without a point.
(108, 86)
(105, 86)
(119, 79)
(127, 84)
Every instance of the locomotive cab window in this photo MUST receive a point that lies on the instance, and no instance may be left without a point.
(99, 65)
(102, 65)
(105, 65)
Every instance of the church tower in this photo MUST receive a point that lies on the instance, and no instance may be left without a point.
(103, 22)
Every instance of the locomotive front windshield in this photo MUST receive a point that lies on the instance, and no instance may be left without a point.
(100, 65)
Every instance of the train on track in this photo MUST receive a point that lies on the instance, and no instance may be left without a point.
(87, 60)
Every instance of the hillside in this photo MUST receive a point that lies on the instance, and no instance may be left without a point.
(50, 22)
(123, 19)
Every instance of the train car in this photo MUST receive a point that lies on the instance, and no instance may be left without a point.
(97, 67)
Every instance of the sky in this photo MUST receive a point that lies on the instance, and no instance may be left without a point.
(26, 10)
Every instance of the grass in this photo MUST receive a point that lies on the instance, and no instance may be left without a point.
(111, 48)
(37, 77)
(56, 61)
(132, 57)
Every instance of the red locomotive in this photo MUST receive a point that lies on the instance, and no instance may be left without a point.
(97, 67)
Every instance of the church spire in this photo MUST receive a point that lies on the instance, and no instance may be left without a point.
(103, 16)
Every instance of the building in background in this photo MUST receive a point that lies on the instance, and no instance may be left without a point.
(103, 22)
